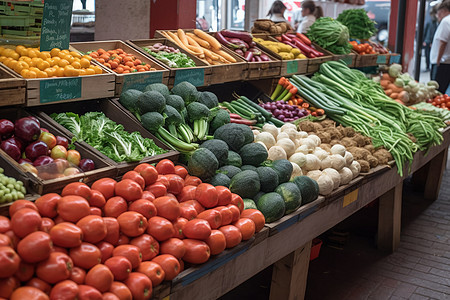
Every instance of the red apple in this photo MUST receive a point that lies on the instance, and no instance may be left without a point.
(44, 129)
(71, 171)
(73, 156)
(62, 141)
(42, 161)
(24, 160)
(48, 138)
(87, 164)
(59, 151)
(36, 149)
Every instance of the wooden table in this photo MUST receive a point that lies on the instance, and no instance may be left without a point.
(287, 243)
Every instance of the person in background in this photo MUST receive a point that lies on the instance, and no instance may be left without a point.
(276, 12)
(440, 48)
(310, 12)
(430, 29)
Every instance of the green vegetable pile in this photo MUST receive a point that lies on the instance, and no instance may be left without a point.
(107, 136)
(358, 23)
(437, 111)
(10, 188)
(331, 35)
(172, 59)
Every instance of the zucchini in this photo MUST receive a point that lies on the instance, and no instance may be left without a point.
(263, 112)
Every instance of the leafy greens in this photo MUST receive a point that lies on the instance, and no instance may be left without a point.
(331, 35)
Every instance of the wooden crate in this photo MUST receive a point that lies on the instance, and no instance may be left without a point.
(137, 80)
(349, 59)
(12, 87)
(117, 115)
(365, 60)
(41, 186)
(314, 63)
(288, 67)
(225, 72)
(198, 76)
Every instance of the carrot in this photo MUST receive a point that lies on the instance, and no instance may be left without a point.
(210, 39)
(182, 36)
(210, 54)
(209, 60)
(183, 39)
(225, 55)
(394, 95)
(394, 88)
(386, 76)
(201, 42)
(388, 92)
(384, 83)
(174, 38)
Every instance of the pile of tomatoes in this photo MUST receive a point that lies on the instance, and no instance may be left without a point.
(441, 101)
(117, 240)
(120, 62)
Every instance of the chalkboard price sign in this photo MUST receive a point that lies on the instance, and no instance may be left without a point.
(55, 32)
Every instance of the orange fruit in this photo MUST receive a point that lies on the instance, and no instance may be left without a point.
(75, 54)
(42, 74)
(90, 71)
(50, 72)
(54, 52)
(31, 74)
(63, 63)
(32, 53)
(87, 57)
(85, 63)
(76, 65)
(43, 65)
(59, 72)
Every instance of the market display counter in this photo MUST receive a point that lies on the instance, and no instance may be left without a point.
(287, 243)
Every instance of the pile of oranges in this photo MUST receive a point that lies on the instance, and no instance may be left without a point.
(32, 63)
(120, 62)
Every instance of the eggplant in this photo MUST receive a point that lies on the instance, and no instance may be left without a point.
(252, 44)
(238, 42)
(248, 55)
(244, 36)
(239, 52)
(86, 164)
(264, 57)
(255, 51)
(6, 128)
(36, 149)
(225, 42)
(27, 129)
(11, 149)
(258, 58)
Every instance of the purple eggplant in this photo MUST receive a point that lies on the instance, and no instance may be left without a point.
(27, 129)
(225, 42)
(42, 160)
(86, 164)
(264, 57)
(6, 128)
(239, 52)
(258, 58)
(252, 44)
(255, 51)
(11, 149)
(36, 149)
(238, 42)
(244, 36)
(248, 55)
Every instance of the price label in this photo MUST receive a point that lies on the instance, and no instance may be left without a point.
(395, 59)
(55, 31)
(348, 60)
(350, 198)
(139, 81)
(58, 89)
(381, 59)
(292, 67)
(195, 76)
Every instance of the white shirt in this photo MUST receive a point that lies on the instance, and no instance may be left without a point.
(278, 18)
(442, 34)
(306, 23)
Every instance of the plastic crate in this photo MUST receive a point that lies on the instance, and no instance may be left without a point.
(315, 248)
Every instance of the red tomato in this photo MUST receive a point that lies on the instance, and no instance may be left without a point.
(120, 267)
(187, 211)
(246, 226)
(213, 216)
(25, 271)
(158, 189)
(167, 207)
(60, 249)
(46, 225)
(169, 264)
(95, 211)
(93, 227)
(59, 219)
(160, 228)
(46, 204)
(5, 224)
(106, 249)
(135, 176)
(176, 184)
(14, 238)
(105, 186)
(28, 292)
(153, 271)
(256, 216)
(78, 275)
(197, 252)
(39, 284)
(178, 225)
(97, 199)
(87, 292)
(148, 196)
(165, 166)
(232, 234)
(147, 244)
(121, 290)
(227, 214)
(132, 223)
(223, 195)
(55, 268)
(73, 208)
(7, 286)
(131, 252)
(139, 285)
(109, 296)
(235, 212)
(197, 229)
(115, 206)
(5, 240)
(35, 247)
(19, 204)
(192, 180)
(187, 193)
(164, 180)
(85, 256)
(100, 277)
(198, 207)
(128, 189)
(148, 172)
(216, 242)
(25, 221)
(237, 200)
(66, 289)
(66, 235)
(112, 230)
(181, 171)
(181, 265)
(123, 240)
(207, 195)
(77, 188)
(173, 246)
(144, 207)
